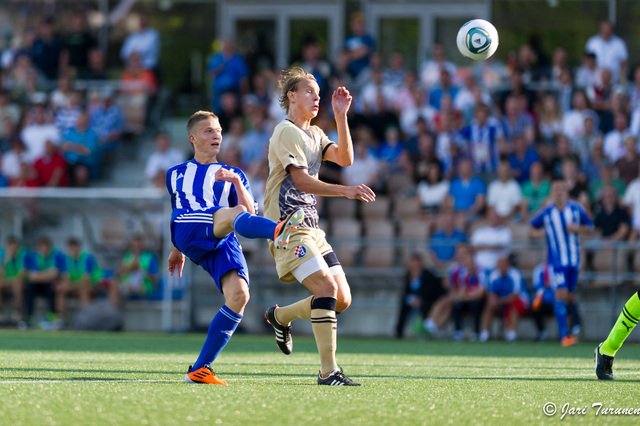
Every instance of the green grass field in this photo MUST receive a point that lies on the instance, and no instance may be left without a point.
(127, 378)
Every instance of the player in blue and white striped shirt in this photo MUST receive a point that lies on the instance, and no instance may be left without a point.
(563, 220)
(210, 201)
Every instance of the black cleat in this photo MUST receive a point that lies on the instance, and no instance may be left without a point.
(604, 365)
(283, 334)
(337, 378)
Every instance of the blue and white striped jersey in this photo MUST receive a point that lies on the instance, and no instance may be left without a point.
(193, 187)
(505, 285)
(563, 248)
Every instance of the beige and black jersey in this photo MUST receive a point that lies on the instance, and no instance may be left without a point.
(291, 146)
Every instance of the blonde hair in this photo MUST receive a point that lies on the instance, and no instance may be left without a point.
(198, 116)
(288, 82)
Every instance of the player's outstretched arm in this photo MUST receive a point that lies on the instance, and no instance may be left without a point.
(176, 262)
(311, 185)
(342, 153)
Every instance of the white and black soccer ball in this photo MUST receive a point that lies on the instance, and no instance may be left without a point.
(477, 39)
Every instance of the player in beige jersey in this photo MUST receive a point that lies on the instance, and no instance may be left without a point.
(296, 151)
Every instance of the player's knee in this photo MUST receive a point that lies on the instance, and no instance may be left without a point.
(240, 209)
(344, 301)
(238, 298)
(326, 287)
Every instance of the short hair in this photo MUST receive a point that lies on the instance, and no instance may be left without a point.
(197, 117)
(288, 82)
(73, 241)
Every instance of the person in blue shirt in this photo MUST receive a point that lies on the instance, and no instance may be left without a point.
(506, 293)
(211, 203)
(521, 158)
(562, 222)
(80, 147)
(442, 245)
(359, 46)
(229, 72)
(45, 270)
(483, 137)
(467, 192)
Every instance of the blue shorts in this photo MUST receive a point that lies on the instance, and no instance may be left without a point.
(195, 239)
(565, 277)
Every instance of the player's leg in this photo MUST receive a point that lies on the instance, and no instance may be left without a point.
(476, 307)
(457, 312)
(84, 291)
(625, 324)
(493, 303)
(561, 285)
(245, 224)
(17, 285)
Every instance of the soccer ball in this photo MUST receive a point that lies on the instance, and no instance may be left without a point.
(477, 39)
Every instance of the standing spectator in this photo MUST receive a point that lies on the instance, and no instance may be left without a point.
(162, 159)
(45, 270)
(82, 276)
(13, 273)
(78, 42)
(611, 220)
(628, 165)
(485, 139)
(521, 159)
(467, 192)
(503, 194)
(51, 168)
(614, 139)
(422, 290)
(358, 46)
(491, 242)
(145, 41)
(443, 242)
(229, 73)
(544, 298)
(507, 294)
(36, 135)
(534, 191)
(610, 50)
(47, 49)
(81, 150)
(431, 69)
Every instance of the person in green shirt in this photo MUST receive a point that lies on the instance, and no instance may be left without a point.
(607, 178)
(137, 276)
(82, 276)
(13, 272)
(535, 191)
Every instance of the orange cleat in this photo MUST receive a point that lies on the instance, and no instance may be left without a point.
(203, 375)
(537, 301)
(285, 227)
(568, 340)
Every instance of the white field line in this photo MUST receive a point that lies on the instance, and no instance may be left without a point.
(275, 379)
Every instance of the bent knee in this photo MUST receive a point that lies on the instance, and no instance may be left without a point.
(343, 303)
(238, 298)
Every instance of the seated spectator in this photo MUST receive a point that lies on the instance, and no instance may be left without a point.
(8, 110)
(432, 188)
(534, 191)
(13, 160)
(13, 273)
(583, 144)
(10, 132)
(137, 80)
(611, 220)
(67, 117)
(544, 297)
(484, 138)
(506, 294)
(466, 295)
(467, 192)
(521, 158)
(137, 276)
(563, 152)
(36, 135)
(470, 96)
(591, 168)
(107, 121)
(631, 200)
(365, 169)
(516, 121)
(82, 277)
(607, 178)
(576, 184)
(588, 74)
(255, 142)
(491, 242)
(60, 96)
(81, 150)
(371, 90)
(45, 270)
(96, 67)
(431, 69)
(443, 242)
(573, 120)
(390, 151)
(628, 165)
(422, 290)
(503, 194)
(51, 168)
(444, 88)
(549, 120)
(161, 160)
(613, 143)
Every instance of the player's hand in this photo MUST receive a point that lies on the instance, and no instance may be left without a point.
(226, 175)
(361, 192)
(341, 101)
(573, 228)
(176, 261)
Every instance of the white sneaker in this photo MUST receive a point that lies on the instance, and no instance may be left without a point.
(430, 326)
(484, 335)
(511, 336)
(457, 335)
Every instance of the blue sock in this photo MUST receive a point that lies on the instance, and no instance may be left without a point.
(560, 311)
(220, 331)
(252, 226)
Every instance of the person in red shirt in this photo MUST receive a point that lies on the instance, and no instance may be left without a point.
(51, 167)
